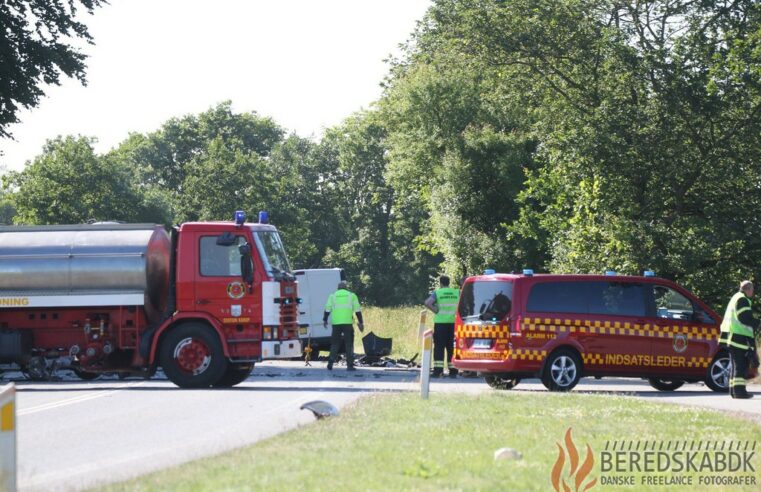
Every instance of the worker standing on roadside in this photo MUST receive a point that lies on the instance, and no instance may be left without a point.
(738, 335)
(443, 303)
(343, 305)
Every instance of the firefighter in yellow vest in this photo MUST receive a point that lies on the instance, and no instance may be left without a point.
(738, 330)
(342, 305)
(443, 302)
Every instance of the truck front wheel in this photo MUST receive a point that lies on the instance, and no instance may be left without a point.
(235, 374)
(192, 356)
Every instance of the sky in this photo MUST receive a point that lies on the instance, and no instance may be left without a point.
(307, 64)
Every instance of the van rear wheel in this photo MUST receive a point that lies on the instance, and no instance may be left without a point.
(665, 384)
(719, 372)
(501, 382)
(562, 371)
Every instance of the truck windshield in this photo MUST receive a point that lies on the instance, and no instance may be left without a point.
(487, 301)
(272, 252)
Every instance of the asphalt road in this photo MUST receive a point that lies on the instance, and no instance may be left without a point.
(74, 434)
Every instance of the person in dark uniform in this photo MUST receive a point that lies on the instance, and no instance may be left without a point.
(738, 335)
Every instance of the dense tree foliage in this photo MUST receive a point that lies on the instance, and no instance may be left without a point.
(563, 135)
(34, 50)
(70, 184)
(637, 121)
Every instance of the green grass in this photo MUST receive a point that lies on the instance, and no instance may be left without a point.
(400, 442)
(398, 323)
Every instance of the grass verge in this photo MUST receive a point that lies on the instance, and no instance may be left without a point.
(400, 442)
(398, 323)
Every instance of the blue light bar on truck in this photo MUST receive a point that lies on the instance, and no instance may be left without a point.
(240, 217)
(264, 217)
(610, 273)
(490, 271)
(648, 273)
(528, 272)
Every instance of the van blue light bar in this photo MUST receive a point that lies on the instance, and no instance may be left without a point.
(490, 271)
(264, 217)
(610, 273)
(528, 272)
(648, 273)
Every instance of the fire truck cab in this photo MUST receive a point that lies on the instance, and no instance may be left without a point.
(564, 327)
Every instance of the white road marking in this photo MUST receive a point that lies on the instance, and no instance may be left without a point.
(73, 400)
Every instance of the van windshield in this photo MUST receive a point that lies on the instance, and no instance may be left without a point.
(486, 300)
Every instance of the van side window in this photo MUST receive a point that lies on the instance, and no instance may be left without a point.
(617, 299)
(558, 297)
(673, 305)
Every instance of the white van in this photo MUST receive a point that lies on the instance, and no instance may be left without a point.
(315, 286)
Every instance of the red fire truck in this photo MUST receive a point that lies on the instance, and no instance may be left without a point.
(563, 327)
(203, 302)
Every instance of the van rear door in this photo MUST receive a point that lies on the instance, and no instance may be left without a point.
(484, 308)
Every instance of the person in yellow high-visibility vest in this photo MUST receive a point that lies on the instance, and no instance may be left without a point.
(738, 335)
(342, 305)
(443, 303)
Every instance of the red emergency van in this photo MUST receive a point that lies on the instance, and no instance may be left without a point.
(564, 327)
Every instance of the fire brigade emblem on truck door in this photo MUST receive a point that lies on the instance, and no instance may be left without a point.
(680, 343)
(235, 290)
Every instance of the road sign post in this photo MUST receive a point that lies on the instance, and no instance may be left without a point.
(425, 370)
(8, 438)
(421, 325)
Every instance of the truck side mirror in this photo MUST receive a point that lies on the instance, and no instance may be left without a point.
(246, 266)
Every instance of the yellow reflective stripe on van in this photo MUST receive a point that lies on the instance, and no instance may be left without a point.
(528, 354)
(617, 328)
(482, 331)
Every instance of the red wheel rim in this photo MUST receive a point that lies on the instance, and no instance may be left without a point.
(192, 356)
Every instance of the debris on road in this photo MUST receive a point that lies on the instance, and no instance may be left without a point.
(320, 409)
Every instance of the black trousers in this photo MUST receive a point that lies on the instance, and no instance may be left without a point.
(443, 341)
(347, 333)
(737, 380)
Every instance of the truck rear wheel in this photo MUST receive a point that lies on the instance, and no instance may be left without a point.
(192, 356)
(665, 384)
(85, 375)
(562, 371)
(235, 374)
(717, 376)
(501, 382)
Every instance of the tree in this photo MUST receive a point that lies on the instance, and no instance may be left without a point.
(460, 141)
(34, 50)
(379, 226)
(163, 158)
(70, 184)
(646, 121)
